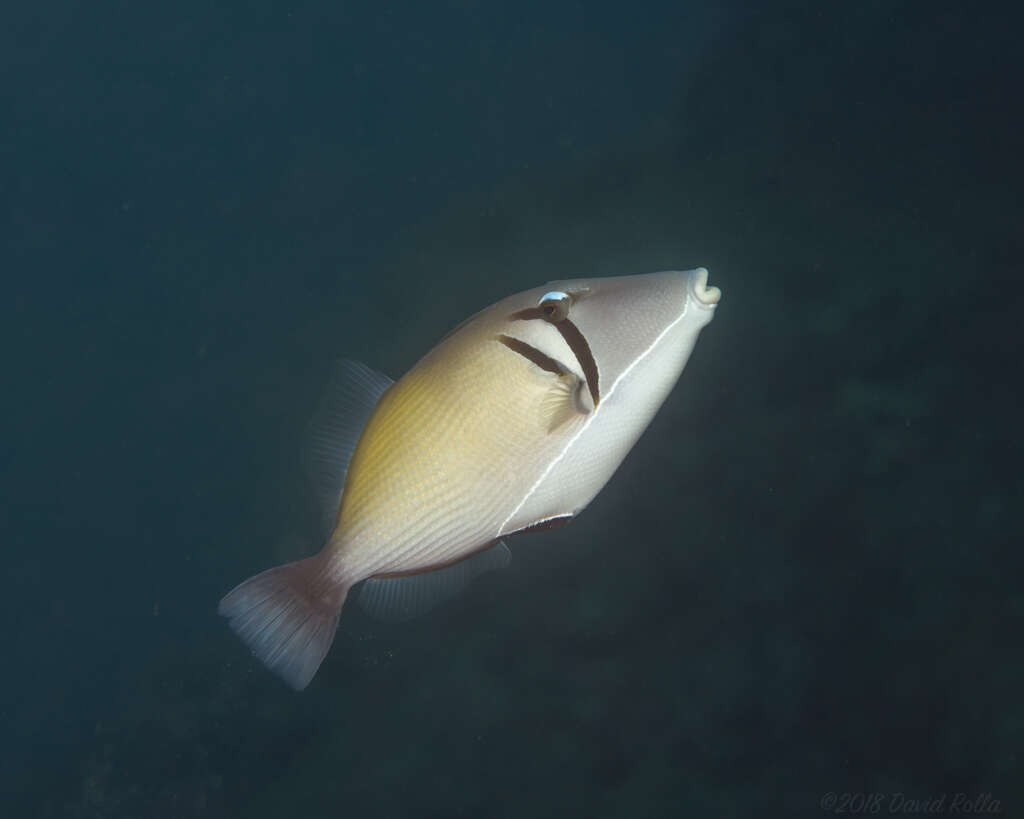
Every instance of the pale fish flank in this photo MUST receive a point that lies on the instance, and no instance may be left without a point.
(512, 423)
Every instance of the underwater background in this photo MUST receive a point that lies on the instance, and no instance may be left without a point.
(801, 595)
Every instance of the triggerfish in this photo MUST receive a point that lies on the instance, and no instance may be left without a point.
(513, 422)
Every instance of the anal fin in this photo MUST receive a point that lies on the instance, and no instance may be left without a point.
(395, 599)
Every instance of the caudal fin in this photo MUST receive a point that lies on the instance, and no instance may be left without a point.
(287, 616)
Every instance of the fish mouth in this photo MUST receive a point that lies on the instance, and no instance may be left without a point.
(704, 296)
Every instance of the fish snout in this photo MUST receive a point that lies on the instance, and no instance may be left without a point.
(704, 296)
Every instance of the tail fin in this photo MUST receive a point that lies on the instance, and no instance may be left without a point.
(287, 616)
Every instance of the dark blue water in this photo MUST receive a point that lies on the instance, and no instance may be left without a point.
(801, 594)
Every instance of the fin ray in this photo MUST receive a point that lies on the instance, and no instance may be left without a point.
(559, 402)
(287, 617)
(352, 392)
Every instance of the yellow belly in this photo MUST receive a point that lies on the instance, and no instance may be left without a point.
(444, 458)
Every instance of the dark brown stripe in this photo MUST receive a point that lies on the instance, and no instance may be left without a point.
(545, 362)
(578, 344)
(544, 525)
(528, 314)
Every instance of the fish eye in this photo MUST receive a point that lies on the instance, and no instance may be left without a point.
(555, 306)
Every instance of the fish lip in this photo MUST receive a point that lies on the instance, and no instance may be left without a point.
(702, 295)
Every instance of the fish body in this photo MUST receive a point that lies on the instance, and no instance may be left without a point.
(514, 421)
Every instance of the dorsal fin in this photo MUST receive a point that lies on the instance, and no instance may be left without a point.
(352, 392)
(394, 599)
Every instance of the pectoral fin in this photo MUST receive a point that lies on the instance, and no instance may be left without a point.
(561, 402)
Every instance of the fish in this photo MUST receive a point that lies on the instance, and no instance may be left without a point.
(512, 423)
